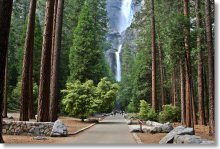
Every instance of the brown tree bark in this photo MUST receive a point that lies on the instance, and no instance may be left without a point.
(54, 71)
(54, 28)
(182, 90)
(5, 104)
(5, 20)
(44, 88)
(27, 89)
(161, 75)
(153, 46)
(174, 87)
(211, 71)
(188, 97)
(31, 114)
(200, 66)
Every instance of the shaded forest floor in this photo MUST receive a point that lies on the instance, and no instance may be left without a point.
(72, 125)
(200, 130)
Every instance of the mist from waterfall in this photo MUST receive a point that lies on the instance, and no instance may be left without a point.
(125, 22)
(126, 15)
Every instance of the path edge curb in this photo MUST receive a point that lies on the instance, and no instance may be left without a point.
(83, 129)
(137, 139)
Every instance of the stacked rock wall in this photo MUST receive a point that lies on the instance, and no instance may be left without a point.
(27, 128)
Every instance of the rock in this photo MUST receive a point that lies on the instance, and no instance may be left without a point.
(40, 138)
(36, 131)
(166, 128)
(207, 142)
(28, 125)
(180, 130)
(92, 120)
(156, 130)
(59, 129)
(129, 122)
(4, 131)
(134, 128)
(187, 139)
(10, 117)
(41, 126)
(154, 124)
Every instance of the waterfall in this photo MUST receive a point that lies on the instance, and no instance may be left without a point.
(118, 63)
(125, 21)
(126, 15)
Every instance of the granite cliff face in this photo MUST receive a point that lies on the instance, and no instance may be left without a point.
(120, 15)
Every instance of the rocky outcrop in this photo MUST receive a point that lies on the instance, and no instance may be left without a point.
(180, 130)
(190, 139)
(59, 129)
(187, 139)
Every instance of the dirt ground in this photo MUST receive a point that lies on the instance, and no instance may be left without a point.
(200, 130)
(148, 138)
(72, 125)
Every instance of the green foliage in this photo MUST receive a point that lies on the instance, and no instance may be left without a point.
(14, 98)
(146, 112)
(107, 93)
(85, 99)
(130, 108)
(169, 114)
(79, 99)
(86, 59)
(144, 109)
(152, 116)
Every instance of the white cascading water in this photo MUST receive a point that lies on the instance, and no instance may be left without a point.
(118, 63)
(125, 22)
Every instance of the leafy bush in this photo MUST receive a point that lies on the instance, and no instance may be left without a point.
(130, 107)
(146, 112)
(152, 116)
(169, 114)
(84, 99)
(14, 99)
(79, 99)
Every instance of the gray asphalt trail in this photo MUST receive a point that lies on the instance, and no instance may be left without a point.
(111, 130)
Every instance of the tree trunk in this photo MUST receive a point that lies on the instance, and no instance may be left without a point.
(206, 96)
(54, 71)
(44, 88)
(27, 89)
(5, 104)
(210, 68)
(161, 75)
(182, 88)
(200, 66)
(153, 46)
(174, 87)
(54, 28)
(5, 20)
(188, 97)
(31, 114)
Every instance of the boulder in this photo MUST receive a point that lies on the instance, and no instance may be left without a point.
(187, 139)
(160, 128)
(134, 128)
(156, 130)
(129, 122)
(39, 138)
(180, 130)
(59, 129)
(154, 124)
(207, 142)
(166, 128)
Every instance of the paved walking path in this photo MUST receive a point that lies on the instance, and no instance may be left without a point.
(111, 130)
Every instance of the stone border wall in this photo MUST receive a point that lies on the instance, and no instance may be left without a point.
(27, 128)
